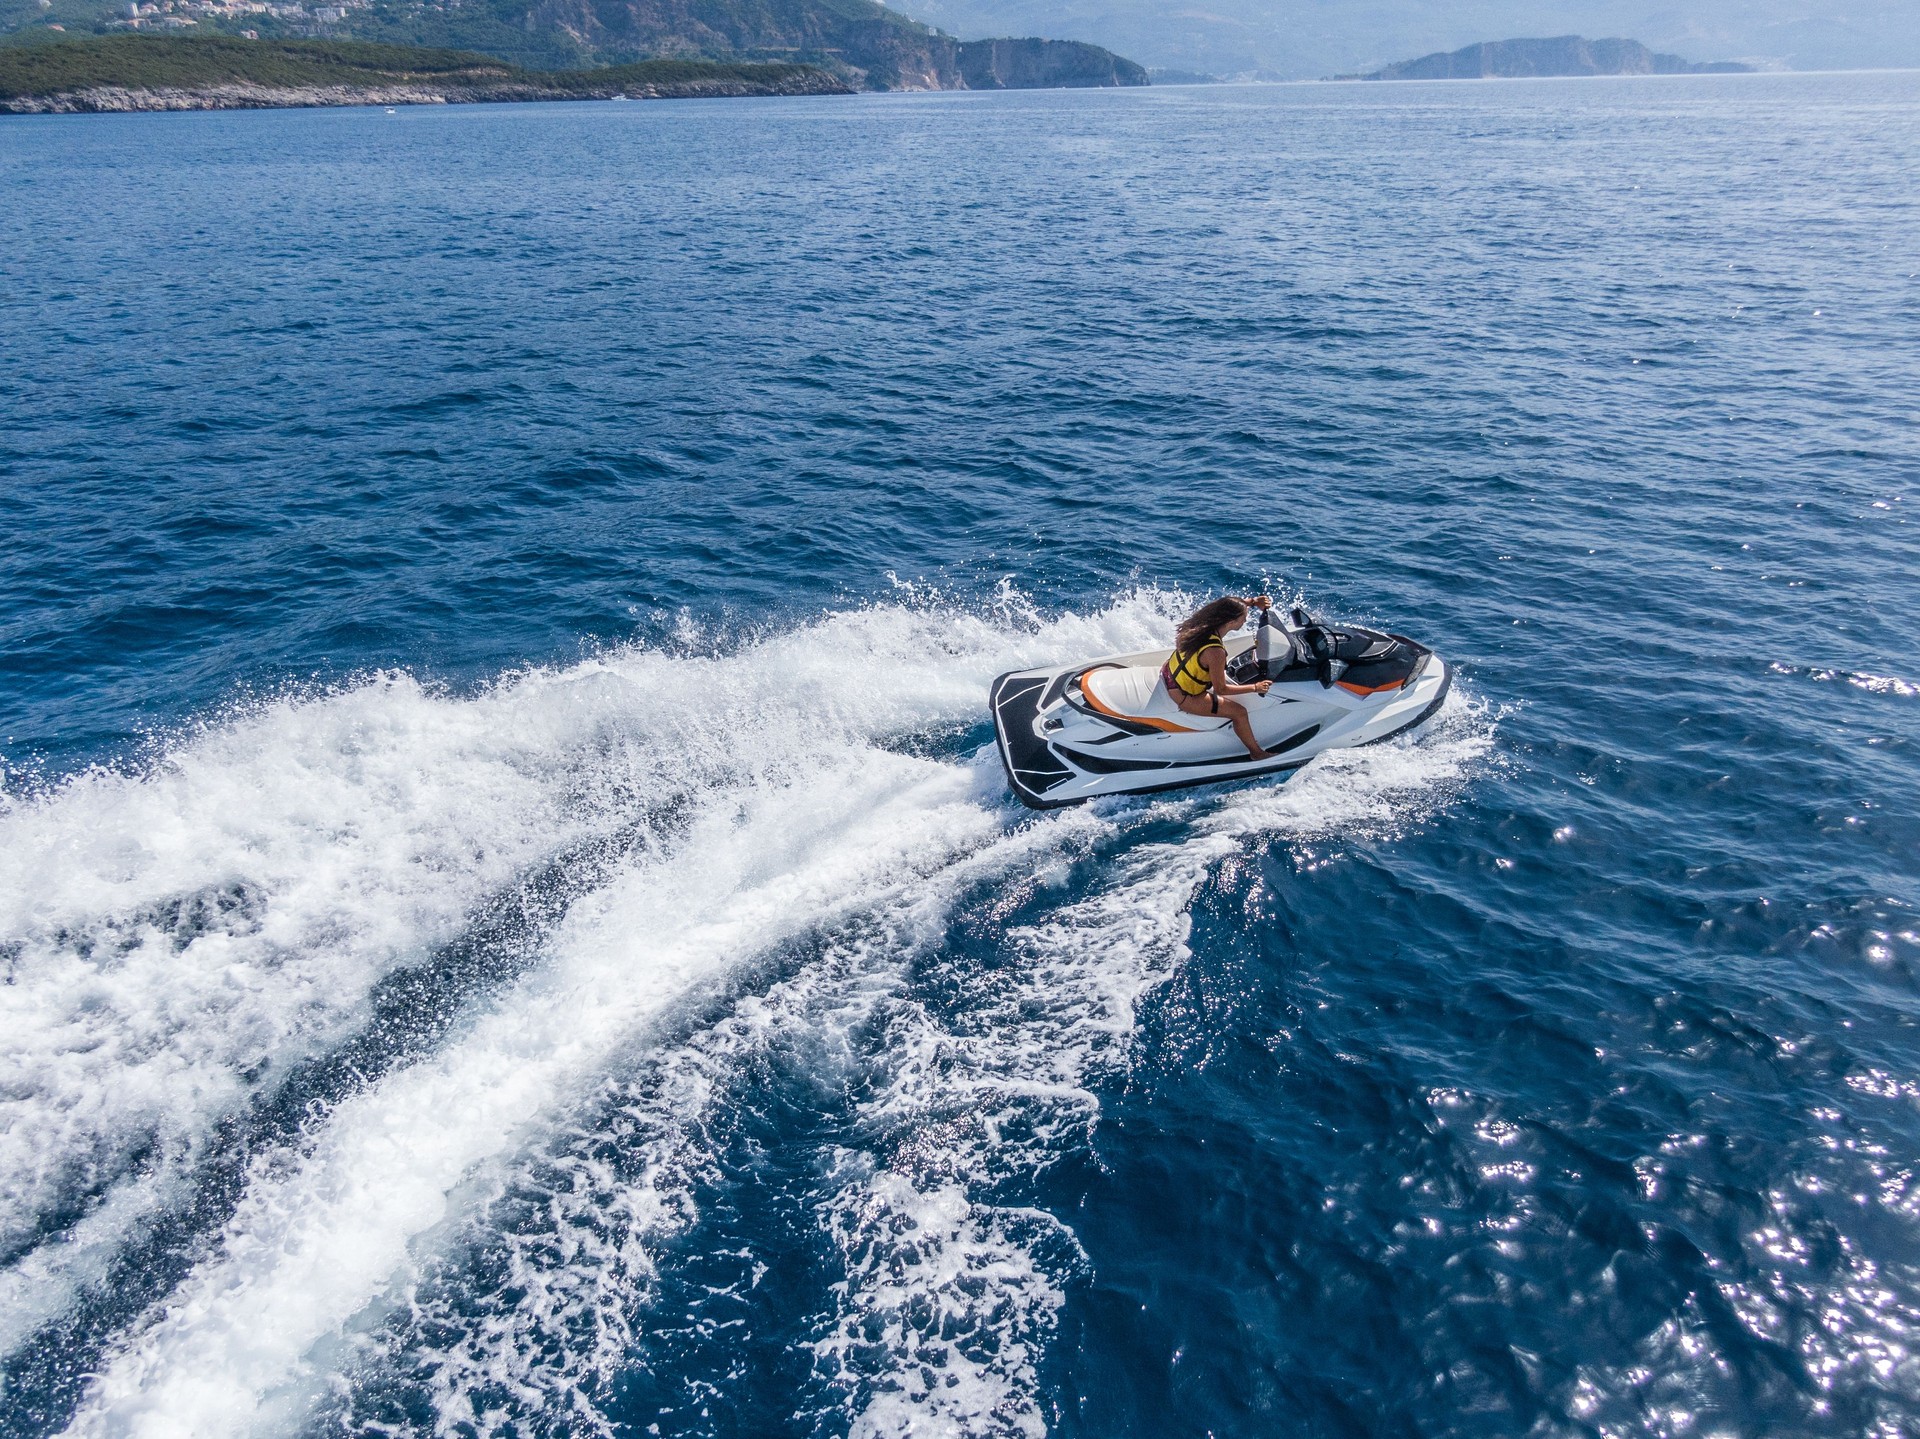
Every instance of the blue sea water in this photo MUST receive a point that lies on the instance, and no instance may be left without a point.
(512, 925)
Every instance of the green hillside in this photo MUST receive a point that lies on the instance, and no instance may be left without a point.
(150, 62)
(865, 43)
(561, 33)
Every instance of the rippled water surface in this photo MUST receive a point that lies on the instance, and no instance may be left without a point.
(510, 925)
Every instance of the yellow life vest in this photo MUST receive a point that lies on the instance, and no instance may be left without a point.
(1183, 668)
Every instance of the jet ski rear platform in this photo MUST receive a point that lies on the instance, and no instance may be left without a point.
(1107, 726)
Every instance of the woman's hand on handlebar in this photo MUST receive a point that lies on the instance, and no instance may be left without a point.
(1261, 602)
(1262, 686)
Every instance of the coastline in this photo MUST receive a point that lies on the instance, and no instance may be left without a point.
(115, 100)
(122, 74)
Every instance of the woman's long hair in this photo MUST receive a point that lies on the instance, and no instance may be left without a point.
(1207, 620)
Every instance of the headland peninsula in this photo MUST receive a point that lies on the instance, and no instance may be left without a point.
(861, 44)
(152, 72)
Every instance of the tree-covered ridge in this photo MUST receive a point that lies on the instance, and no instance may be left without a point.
(866, 44)
(155, 62)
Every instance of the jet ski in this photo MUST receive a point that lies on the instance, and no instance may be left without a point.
(1107, 726)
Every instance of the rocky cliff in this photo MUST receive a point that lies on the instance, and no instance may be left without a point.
(1562, 55)
(868, 44)
(863, 44)
(1040, 65)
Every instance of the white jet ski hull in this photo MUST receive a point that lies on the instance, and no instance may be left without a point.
(1071, 733)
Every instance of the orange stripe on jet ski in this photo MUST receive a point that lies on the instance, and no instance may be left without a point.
(1362, 690)
(1094, 700)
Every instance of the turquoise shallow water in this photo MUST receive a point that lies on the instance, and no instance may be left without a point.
(510, 923)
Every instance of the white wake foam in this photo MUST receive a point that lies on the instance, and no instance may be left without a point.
(786, 812)
(951, 1294)
(797, 816)
(312, 1246)
(573, 1230)
(176, 939)
(1873, 684)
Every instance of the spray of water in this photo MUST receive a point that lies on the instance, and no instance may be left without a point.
(179, 939)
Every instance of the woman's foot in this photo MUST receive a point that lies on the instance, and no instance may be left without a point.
(1259, 754)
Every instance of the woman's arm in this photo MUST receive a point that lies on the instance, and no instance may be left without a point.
(1216, 663)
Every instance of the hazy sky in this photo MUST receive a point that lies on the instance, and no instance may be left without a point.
(1308, 38)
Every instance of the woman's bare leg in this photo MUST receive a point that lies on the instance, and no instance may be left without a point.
(1233, 712)
(1237, 712)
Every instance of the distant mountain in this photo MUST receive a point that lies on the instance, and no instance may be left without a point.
(862, 42)
(1306, 39)
(1562, 55)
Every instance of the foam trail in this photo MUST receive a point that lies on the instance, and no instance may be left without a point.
(536, 1310)
(176, 939)
(780, 745)
(950, 1295)
(310, 1248)
(949, 1298)
(800, 822)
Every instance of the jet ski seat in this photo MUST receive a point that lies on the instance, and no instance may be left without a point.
(1134, 692)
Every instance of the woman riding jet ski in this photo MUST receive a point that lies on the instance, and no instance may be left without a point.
(1217, 708)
